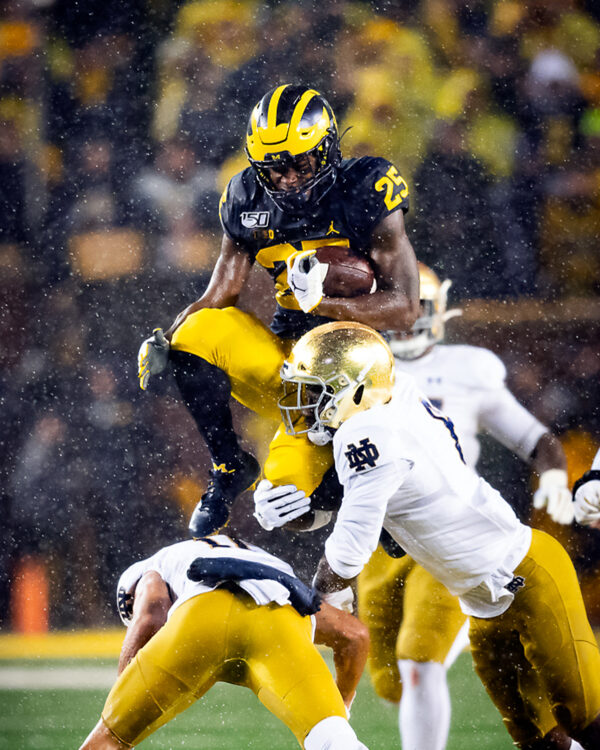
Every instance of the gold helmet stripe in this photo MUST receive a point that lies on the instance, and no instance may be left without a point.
(300, 107)
(287, 133)
(292, 121)
(274, 133)
(298, 142)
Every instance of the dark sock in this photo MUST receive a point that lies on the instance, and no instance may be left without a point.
(206, 390)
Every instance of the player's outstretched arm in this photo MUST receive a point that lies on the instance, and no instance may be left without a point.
(227, 281)
(553, 494)
(349, 640)
(395, 304)
(334, 589)
(150, 607)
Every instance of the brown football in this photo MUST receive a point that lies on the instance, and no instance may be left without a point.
(349, 274)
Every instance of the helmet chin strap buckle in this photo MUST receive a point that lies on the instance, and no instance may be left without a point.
(319, 435)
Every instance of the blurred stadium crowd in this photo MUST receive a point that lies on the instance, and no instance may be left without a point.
(120, 124)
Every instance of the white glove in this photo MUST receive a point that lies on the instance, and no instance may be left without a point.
(343, 599)
(305, 276)
(587, 502)
(152, 356)
(275, 506)
(554, 495)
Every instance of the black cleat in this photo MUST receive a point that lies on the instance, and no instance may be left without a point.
(225, 484)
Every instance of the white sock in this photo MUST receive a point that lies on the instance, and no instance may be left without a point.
(333, 733)
(424, 716)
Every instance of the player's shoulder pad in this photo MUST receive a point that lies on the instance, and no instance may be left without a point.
(376, 182)
(365, 170)
(479, 367)
(363, 443)
(238, 194)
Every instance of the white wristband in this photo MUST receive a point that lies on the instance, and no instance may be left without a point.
(343, 599)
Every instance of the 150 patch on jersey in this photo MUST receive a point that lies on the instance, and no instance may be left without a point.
(255, 219)
(364, 455)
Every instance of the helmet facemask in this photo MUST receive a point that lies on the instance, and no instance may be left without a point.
(310, 404)
(333, 372)
(125, 606)
(320, 178)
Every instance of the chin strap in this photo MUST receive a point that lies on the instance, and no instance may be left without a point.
(320, 436)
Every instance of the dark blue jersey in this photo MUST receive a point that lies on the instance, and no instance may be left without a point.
(365, 192)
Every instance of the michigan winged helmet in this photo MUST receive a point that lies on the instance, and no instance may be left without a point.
(294, 126)
(334, 371)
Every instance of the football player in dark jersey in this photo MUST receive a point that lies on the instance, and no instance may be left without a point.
(298, 194)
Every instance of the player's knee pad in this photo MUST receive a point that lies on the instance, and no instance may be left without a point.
(333, 733)
(422, 676)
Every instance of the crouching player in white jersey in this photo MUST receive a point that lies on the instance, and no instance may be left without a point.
(416, 625)
(221, 610)
(401, 466)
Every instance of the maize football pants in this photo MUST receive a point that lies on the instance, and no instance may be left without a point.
(224, 637)
(243, 347)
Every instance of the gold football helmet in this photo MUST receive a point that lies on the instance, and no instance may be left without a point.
(429, 327)
(334, 371)
(289, 124)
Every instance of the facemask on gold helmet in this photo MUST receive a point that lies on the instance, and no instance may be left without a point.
(334, 371)
(288, 125)
(428, 330)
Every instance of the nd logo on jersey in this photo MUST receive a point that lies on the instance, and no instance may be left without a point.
(366, 454)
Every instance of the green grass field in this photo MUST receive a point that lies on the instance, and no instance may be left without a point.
(51, 718)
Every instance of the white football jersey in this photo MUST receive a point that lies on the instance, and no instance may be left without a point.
(467, 383)
(172, 563)
(401, 467)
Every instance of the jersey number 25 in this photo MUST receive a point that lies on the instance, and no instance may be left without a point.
(390, 182)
